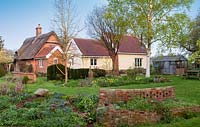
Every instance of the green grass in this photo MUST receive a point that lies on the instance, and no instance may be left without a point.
(193, 122)
(50, 85)
(186, 89)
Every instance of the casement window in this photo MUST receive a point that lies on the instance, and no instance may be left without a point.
(138, 62)
(41, 64)
(93, 61)
(55, 61)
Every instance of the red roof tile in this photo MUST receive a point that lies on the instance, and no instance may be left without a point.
(45, 51)
(131, 44)
(91, 47)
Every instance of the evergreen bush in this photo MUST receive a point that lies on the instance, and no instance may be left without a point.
(55, 72)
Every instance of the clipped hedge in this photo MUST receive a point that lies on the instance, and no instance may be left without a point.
(53, 73)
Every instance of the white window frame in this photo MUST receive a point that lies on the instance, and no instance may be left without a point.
(93, 62)
(138, 62)
(55, 59)
(41, 63)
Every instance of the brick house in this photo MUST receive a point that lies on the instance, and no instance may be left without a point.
(37, 53)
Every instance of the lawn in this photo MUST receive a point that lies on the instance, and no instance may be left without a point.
(59, 88)
(186, 90)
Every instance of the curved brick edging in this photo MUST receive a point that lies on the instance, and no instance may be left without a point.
(110, 116)
(108, 96)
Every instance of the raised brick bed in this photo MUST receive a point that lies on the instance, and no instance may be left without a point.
(108, 96)
(108, 116)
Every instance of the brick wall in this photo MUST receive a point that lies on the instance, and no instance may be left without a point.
(108, 96)
(115, 118)
(21, 75)
(108, 116)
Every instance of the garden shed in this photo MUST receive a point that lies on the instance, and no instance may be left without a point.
(170, 64)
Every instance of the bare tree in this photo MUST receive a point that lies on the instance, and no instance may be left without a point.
(108, 31)
(65, 26)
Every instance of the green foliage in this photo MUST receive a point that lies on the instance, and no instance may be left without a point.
(99, 72)
(87, 104)
(85, 82)
(2, 70)
(53, 73)
(78, 73)
(137, 104)
(25, 80)
(162, 108)
(132, 73)
(120, 81)
(4, 102)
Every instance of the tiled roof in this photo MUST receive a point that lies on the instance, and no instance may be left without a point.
(31, 46)
(91, 47)
(131, 44)
(44, 52)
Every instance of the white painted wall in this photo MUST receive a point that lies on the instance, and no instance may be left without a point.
(127, 61)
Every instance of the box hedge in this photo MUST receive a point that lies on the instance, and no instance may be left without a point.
(55, 72)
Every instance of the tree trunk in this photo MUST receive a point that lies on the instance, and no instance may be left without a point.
(149, 38)
(115, 65)
(66, 72)
(148, 63)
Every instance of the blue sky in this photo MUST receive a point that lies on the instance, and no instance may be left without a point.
(18, 18)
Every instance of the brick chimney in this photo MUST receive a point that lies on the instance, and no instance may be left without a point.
(38, 30)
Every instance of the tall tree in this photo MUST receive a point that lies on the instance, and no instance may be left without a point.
(191, 43)
(149, 18)
(66, 28)
(6, 56)
(1, 43)
(108, 31)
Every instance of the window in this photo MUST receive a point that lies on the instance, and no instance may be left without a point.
(55, 61)
(41, 63)
(138, 62)
(93, 61)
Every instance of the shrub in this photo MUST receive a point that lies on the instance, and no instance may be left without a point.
(40, 74)
(85, 82)
(4, 88)
(4, 102)
(2, 70)
(87, 104)
(25, 80)
(99, 72)
(137, 103)
(53, 73)
(132, 73)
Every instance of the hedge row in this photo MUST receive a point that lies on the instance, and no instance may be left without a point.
(55, 72)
